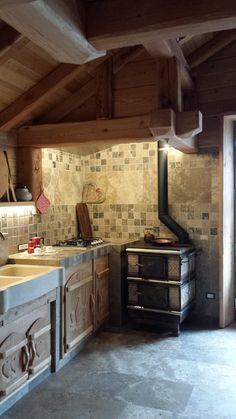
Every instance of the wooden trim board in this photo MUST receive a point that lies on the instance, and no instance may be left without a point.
(226, 279)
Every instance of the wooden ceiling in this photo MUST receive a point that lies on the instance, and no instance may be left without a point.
(36, 87)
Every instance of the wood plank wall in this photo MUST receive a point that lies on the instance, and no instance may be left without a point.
(216, 91)
(135, 87)
(135, 90)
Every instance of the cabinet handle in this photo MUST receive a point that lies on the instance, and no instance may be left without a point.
(33, 352)
(98, 275)
(25, 358)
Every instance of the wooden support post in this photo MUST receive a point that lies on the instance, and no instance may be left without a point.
(162, 85)
(180, 128)
(174, 84)
(168, 87)
(104, 100)
(29, 169)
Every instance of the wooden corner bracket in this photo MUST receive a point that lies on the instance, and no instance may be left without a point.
(180, 128)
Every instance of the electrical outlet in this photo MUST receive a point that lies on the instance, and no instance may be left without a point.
(210, 295)
(22, 247)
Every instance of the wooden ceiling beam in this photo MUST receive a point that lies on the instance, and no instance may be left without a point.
(20, 110)
(8, 36)
(55, 26)
(104, 132)
(9, 48)
(64, 108)
(210, 48)
(170, 48)
(6, 4)
(75, 100)
(107, 28)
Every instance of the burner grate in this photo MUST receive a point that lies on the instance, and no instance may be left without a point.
(80, 242)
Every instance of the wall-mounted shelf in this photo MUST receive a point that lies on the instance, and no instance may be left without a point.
(18, 204)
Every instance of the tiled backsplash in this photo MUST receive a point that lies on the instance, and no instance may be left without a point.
(59, 222)
(127, 221)
(127, 175)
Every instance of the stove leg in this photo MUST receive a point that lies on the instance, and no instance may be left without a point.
(176, 332)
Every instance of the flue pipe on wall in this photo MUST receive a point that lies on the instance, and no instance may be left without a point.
(163, 212)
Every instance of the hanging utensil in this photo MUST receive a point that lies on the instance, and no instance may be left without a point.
(10, 184)
(3, 175)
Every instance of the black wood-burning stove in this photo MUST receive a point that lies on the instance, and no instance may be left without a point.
(160, 284)
(161, 280)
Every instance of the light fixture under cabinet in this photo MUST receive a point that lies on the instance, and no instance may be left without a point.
(17, 207)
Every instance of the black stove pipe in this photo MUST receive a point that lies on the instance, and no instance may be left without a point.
(163, 212)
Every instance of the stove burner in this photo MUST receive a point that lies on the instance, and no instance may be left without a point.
(80, 242)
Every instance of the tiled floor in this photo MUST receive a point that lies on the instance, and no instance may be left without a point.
(136, 374)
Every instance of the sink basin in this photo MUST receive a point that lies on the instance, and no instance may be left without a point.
(23, 270)
(6, 281)
(20, 284)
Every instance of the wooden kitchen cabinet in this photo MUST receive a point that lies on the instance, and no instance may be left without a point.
(25, 347)
(101, 273)
(86, 300)
(14, 356)
(39, 345)
(79, 304)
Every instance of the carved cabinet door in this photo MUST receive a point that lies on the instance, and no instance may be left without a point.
(14, 361)
(39, 344)
(101, 291)
(79, 306)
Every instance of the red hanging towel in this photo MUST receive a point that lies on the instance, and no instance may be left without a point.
(42, 204)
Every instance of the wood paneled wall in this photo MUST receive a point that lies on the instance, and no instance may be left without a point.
(134, 93)
(216, 92)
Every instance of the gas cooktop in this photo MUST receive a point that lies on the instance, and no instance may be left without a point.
(80, 242)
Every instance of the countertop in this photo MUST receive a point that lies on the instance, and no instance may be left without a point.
(69, 256)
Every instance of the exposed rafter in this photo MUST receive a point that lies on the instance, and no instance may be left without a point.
(6, 4)
(210, 48)
(144, 21)
(55, 26)
(7, 50)
(64, 108)
(8, 36)
(20, 110)
(77, 99)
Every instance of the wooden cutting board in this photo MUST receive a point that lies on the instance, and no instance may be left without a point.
(3, 174)
(84, 223)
